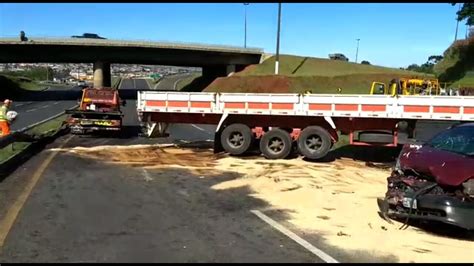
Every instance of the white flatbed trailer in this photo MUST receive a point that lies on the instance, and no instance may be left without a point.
(311, 121)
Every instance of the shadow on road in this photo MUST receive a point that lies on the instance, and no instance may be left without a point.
(440, 229)
(376, 156)
(127, 132)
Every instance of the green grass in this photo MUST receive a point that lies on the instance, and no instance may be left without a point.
(291, 65)
(151, 82)
(49, 127)
(115, 81)
(457, 65)
(36, 73)
(12, 149)
(22, 83)
(466, 81)
(45, 129)
(186, 81)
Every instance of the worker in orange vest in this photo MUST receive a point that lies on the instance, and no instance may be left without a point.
(4, 123)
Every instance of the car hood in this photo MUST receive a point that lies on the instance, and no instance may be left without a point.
(447, 168)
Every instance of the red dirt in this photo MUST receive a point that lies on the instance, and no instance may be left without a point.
(262, 84)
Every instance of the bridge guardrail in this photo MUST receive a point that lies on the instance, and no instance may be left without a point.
(143, 42)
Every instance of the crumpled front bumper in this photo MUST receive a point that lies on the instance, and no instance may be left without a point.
(439, 208)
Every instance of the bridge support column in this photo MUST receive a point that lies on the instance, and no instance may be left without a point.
(102, 74)
(212, 72)
(230, 70)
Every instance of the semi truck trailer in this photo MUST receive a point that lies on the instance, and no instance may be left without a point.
(311, 123)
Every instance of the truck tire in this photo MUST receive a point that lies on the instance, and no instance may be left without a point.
(376, 137)
(276, 144)
(314, 142)
(236, 139)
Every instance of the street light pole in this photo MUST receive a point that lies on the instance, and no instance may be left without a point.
(245, 24)
(357, 50)
(277, 58)
(457, 25)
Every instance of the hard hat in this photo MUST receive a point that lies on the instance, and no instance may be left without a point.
(7, 101)
(11, 115)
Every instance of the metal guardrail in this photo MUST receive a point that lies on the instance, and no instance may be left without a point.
(132, 42)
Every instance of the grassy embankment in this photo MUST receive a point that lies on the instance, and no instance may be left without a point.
(45, 129)
(299, 74)
(457, 65)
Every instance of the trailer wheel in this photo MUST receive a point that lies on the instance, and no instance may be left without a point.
(314, 142)
(276, 144)
(236, 139)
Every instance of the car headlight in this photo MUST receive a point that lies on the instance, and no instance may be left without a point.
(397, 166)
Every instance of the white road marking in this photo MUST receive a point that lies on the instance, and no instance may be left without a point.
(321, 254)
(55, 102)
(146, 175)
(42, 121)
(183, 192)
(200, 128)
(45, 106)
(31, 110)
(176, 83)
(20, 104)
(156, 86)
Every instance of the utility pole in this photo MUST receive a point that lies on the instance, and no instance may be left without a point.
(245, 24)
(277, 58)
(357, 50)
(457, 24)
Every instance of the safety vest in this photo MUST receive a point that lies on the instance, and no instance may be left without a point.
(3, 113)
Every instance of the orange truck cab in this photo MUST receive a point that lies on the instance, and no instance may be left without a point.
(99, 110)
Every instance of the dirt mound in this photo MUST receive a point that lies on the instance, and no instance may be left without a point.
(200, 161)
(263, 84)
(350, 84)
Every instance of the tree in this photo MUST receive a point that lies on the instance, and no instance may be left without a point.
(365, 62)
(466, 12)
(413, 67)
(435, 59)
(426, 67)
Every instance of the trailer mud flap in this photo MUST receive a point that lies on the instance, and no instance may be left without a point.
(217, 143)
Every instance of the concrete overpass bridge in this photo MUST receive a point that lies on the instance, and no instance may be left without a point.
(215, 60)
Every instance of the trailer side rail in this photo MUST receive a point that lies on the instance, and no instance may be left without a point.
(361, 106)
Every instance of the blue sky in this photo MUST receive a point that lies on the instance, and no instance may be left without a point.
(393, 35)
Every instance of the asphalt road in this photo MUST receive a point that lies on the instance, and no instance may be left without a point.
(170, 82)
(84, 210)
(30, 112)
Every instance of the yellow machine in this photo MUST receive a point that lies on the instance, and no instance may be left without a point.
(404, 86)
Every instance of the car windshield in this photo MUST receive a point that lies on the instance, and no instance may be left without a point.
(458, 140)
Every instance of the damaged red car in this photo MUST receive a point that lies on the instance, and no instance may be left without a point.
(434, 181)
